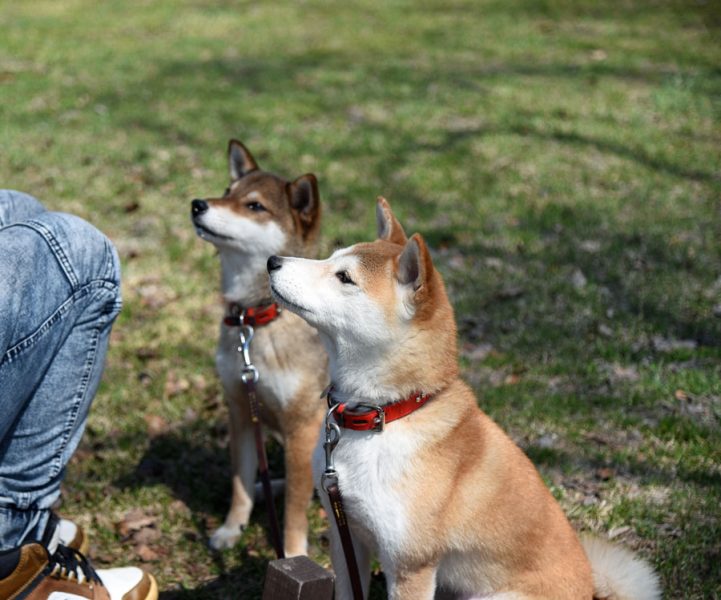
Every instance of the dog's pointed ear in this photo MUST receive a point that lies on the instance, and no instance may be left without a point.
(305, 200)
(414, 269)
(240, 160)
(389, 229)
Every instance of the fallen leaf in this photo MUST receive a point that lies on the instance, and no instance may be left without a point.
(146, 353)
(510, 292)
(605, 330)
(179, 507)
(493, 262)
(457, 262)
(591, 246)
(598, 438)
(175, 384)
(157, 425)
(145, 536)
(681, 396)
(605, 473)
(547, 440)
(578, 279)
(145, 379)
(199, 382)
(134, 520)
(616, 531)
(153, 294)
(477, 351)
(662, 344)
(629, 373)
(512, 379)
(146, 553)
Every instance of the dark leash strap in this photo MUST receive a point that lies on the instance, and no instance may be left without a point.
(263, 468)
(249, 376)
(329, 482)
(336, 503)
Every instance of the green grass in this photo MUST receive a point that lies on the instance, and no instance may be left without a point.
(563, 158)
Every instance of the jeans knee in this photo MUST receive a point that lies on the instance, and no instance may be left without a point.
(85, 252)
(18, 206)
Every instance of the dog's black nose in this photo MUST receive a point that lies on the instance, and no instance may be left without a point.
(274, 263)
(198, 207)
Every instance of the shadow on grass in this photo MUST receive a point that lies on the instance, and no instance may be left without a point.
(256, 79)
(639, 295)
(243, 582)
(198, 473)
(644, 471)
(631, 257)
(192, 463)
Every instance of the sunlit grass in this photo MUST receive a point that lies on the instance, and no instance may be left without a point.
(561, 157)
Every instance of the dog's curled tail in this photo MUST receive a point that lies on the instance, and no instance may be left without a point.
(618, 574)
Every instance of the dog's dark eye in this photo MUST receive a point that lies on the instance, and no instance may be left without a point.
(343, 277)
(226, 192)
(255, 206)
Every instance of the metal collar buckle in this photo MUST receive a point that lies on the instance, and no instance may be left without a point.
(380, 419)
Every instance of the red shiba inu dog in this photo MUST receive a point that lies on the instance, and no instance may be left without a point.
(261, 214)
(431, 484)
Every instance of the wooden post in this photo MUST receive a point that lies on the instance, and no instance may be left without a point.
(297, 578)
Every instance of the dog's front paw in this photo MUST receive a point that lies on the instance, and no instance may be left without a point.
(225, 537)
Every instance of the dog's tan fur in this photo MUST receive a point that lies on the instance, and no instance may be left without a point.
(443, 496)
(287, 353)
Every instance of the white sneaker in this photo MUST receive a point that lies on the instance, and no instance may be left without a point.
(73, 536)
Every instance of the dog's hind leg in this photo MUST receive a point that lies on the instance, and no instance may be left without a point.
(244, 463)
(299, 444)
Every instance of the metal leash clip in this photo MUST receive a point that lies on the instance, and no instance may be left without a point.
(250, 373)
(332, 437)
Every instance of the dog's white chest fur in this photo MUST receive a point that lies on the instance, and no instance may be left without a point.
(371, 467)
(277, 387)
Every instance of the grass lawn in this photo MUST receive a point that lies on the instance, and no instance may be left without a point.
(563, 158)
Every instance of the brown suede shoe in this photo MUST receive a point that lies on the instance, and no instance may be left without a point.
(31, 573)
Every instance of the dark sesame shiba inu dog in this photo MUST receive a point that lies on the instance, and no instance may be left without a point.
(431, 485)
(261, 214)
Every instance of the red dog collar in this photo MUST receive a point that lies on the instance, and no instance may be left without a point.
(373, 417)
(254, 316)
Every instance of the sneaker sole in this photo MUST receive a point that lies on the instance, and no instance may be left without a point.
(153, 592)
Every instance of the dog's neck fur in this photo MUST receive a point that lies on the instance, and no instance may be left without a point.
(358, 375)
(381, 376)
(244, 278)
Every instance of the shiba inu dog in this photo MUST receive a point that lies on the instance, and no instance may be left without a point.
(431, 485)
(261, 214)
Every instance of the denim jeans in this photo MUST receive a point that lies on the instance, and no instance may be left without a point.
(59, 295)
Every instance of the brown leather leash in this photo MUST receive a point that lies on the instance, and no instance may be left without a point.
(329, 483)
(249, 377)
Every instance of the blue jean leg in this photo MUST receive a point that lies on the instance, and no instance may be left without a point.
(59, 295)
(18, 206)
